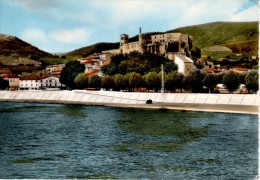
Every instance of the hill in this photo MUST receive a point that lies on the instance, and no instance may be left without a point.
(95, 48)
(237, 36)
(13, 46)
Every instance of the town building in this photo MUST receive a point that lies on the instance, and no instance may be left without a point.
(38, 83)
(94, 63)
(13, 81)
(54, 68)
(185, 64)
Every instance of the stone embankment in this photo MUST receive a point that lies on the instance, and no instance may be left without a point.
(234, 103)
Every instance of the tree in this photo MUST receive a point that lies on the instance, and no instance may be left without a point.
(170, 66)
(3, 83)
(135, 80)
(107, 82)
(121, 83)
(152, 81)
(194, 81)
(173, 81)
(109, 69)
(242, 78)
(69, 73)
(231, 81)
(94, 81)
(211, 80)
(81, 81)
(122, 68)
(251, 81)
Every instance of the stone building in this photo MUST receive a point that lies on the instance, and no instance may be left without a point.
(174, 46)
(159, 44)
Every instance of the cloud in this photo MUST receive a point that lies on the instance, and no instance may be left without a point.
(53, 40)
(34, 35)
(249, 14)
(78, 23)
(76, 36)
(38, 5)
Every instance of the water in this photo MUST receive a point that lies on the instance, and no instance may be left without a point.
(68, 141)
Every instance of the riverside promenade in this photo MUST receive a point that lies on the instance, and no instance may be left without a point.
(228, 103)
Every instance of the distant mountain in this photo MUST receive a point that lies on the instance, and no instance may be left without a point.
(234, 35)
(13, 46)
(95, 48)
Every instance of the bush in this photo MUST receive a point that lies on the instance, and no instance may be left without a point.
(231, 81)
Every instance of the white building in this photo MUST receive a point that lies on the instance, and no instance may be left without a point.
(37, 83)
(51, 82)
(30, 83)
(185, 64)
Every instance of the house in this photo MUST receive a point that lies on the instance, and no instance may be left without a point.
(30, 83)
(185, 64)
(94, 63)
(52, 68)
(13, 81)
(38, 83)
(51, 82)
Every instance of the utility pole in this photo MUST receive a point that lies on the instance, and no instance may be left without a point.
(162, 88)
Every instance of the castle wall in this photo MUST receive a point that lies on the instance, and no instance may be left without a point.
(129, 47)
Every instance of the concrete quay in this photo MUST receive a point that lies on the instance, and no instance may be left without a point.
(229, 103)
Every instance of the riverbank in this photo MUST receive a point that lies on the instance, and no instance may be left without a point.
(228, 103)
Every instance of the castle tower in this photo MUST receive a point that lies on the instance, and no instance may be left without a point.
(124, 39)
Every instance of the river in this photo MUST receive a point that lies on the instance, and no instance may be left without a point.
(73, 141)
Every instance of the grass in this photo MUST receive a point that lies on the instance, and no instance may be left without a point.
(51, 61)
(89, 50)
(217, 55)
(223, 33)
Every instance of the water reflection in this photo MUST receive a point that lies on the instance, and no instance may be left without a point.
(157, 123)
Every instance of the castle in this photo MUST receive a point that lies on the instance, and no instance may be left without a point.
(159, 44)
(173, 46)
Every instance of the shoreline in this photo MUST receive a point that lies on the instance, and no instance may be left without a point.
(225, 103)
(233, 109)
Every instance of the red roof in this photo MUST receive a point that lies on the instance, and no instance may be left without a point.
(56, 72)
(90, 57)
(92, 72)
(34, 78)
(10, 76)
(5, 71)
(211, 70)
(241, 69)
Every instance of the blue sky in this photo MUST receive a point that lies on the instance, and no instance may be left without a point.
(65, 25)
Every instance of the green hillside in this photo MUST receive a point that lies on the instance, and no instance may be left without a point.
(238, 36)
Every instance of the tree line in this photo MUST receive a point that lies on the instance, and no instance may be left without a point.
(73, 76)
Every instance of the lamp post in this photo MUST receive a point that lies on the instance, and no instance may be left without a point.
(162, 88)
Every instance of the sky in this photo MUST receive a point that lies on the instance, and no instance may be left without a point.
(65, 25)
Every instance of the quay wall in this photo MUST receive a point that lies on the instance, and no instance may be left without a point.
(112, 97)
